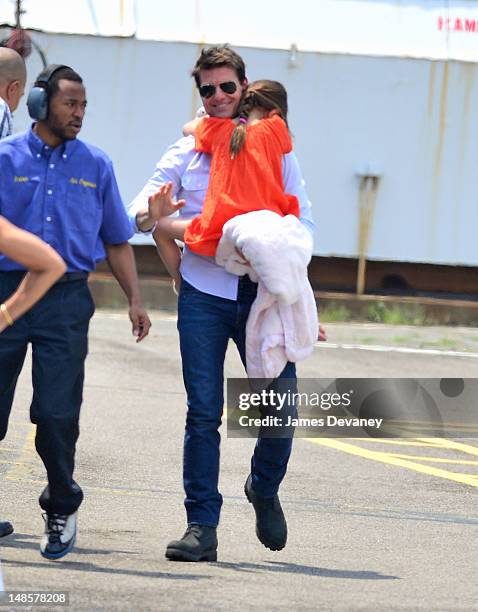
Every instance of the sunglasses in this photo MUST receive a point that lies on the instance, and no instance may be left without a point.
(207, 91)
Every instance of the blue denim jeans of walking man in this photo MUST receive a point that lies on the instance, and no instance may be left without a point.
(205, 324)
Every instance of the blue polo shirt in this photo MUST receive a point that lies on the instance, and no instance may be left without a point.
(68, 196)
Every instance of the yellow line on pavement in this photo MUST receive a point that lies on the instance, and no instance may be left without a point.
(16, 435)
(435, 459)
(400, 442)
(18, 423)
(396, 461)
(8, 450)
(111, 490)
(452, 445)
(19, 469)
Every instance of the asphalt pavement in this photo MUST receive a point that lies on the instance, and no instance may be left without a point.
(373, 524)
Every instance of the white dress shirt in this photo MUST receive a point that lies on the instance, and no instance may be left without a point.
(6, 124)
(188, 171)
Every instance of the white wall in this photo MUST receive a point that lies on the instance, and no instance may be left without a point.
(412, 118)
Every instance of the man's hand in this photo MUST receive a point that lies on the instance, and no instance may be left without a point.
(122, 264)
(322, 334)
(161, 204)
(140, 320)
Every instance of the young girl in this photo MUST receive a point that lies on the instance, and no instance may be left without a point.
(245, 175)
(44, 264)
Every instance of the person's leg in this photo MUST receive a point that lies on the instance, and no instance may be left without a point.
(168, 230)
(170, 255)
(204, 324)
(13, 348)
(271, 454)
(59, 340)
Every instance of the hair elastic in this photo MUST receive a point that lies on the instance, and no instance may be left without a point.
(242, 120)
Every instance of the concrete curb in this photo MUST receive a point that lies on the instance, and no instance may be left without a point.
(158, 294)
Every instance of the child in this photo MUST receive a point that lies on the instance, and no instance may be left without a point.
(245, 175)
(44, 264)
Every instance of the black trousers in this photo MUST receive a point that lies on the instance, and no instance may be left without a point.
(57, 328)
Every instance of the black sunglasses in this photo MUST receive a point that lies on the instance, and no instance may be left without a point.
(207, 91)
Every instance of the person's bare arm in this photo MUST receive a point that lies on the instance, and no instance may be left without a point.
(123, 266)
(190, 127)
(173, 227)
(44, 267)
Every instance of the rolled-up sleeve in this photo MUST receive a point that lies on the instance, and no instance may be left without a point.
(294, 183)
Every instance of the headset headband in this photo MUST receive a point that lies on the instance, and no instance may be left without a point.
(45, 76)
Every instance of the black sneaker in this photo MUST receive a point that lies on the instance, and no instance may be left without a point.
(199, 543)
(60, 535)
(271, 526)
(6, 528)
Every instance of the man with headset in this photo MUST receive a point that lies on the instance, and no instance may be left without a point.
(13, 76)
(64, 191)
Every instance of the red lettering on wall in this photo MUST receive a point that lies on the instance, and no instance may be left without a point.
(457, 24)
(470, 25)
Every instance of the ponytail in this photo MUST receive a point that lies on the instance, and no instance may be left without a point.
(267, 95)
(238, 137)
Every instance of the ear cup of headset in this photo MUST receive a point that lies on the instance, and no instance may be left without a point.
(37, 103)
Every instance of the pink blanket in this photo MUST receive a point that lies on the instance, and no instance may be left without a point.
(283, 323)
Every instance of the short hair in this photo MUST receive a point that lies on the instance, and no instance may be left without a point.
(53, 84)
(12, 66)
(217, 57)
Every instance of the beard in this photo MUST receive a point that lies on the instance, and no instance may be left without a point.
(61, 131)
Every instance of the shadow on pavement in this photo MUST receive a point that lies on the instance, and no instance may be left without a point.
(387, 513)
(91, 567)
(23, 540)
(294, 568)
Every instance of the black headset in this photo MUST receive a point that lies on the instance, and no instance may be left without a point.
(37, 101)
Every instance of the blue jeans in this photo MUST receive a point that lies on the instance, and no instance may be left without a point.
(205, 324)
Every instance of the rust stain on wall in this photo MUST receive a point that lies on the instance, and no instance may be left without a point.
(438, 160)
(468, 73)
(431, 87)
(368, 190)
(442, 121)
